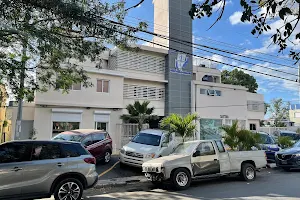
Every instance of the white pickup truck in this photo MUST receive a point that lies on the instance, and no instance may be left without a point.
(203, 159)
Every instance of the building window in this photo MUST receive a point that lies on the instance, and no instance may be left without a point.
(103, 86)
(252, 127)
(58, 127)
(101, 126)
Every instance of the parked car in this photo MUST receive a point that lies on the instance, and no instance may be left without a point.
(38, 169)
(146, 145)
(280, 133)
(289, 158)
(269, 145)
(203, 159)
(97, 142)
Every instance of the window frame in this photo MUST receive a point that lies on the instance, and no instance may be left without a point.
(222, 145)
(47, 143)
(213, 148)
(92, 140)
(22, 144)
(108, 87)
(253, 125)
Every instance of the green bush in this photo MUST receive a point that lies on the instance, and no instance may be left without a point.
(285, 142)
(242, 140)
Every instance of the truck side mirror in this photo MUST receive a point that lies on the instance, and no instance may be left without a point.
(196, 154)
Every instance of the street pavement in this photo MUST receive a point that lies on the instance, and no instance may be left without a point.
(112, 170)
(271, 184)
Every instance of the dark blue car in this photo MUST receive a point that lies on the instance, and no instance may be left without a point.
(289, 158)
(269, 145)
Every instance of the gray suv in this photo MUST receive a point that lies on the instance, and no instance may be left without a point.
(38, 169)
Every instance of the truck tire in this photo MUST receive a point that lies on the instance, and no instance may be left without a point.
(181, 179)
(248, 172)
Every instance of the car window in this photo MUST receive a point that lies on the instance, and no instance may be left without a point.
(73, 150)
(88, 140)
(220, 146)
(46, 151)
(206, 149)
(15, 152)
(98, 137)
(147, 139)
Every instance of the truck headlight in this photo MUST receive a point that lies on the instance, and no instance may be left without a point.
(149, 155)
(297, 155)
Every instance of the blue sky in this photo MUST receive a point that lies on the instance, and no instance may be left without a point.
(238, 39)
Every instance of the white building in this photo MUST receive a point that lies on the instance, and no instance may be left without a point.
(167, 79)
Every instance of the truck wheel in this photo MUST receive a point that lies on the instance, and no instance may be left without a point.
(181, 179)
(248, 172)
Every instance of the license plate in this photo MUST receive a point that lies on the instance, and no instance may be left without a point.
(284, 162)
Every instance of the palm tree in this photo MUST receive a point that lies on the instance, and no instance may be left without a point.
(184, 126)
(139, 113)
(240, 139)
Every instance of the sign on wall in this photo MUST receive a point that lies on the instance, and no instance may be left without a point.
(180, 64)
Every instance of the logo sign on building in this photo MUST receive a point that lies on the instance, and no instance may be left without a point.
(180, 64)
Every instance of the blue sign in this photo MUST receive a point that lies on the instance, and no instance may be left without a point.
(180, 64)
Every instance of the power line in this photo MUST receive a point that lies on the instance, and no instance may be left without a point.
(217, 41)
(233, 53)
(189, 53)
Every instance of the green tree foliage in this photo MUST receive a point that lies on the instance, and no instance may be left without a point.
(139, 113)
(240, 139)
(238, 77)
(279, 111)
(285, 142)
(183, 125)
(261, 13)
(43, 41)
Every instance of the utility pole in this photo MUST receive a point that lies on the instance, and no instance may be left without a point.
(18, 128)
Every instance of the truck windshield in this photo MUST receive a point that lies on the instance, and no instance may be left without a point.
(266, 139)
(148, 139)
(185, 148)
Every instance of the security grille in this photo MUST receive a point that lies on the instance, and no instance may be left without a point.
(143, 92)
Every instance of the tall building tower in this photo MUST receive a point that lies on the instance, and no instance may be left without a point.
(171, 18)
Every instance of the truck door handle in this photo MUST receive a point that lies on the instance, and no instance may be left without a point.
(16, 169)
(60, 164)
(215, 159)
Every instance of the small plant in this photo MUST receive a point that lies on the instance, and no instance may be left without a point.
(285, 142)
(240, 139)
(184, 126)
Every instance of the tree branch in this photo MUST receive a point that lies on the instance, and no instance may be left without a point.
(136, 5)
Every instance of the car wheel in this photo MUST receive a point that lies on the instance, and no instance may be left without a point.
(181, 179)
(287, 169)
(107, 157)
(248, 172)
(68, 189)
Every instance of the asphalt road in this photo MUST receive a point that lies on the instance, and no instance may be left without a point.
(270, 184)
(113, 170)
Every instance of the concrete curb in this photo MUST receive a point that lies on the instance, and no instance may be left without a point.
(119, 182)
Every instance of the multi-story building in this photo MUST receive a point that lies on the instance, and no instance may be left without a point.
(294, 114)
(164, 76)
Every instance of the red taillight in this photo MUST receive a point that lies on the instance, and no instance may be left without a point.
(90, 160)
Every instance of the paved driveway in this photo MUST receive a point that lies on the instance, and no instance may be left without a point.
(113, 170)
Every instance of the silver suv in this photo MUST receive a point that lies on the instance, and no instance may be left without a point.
(38, 169)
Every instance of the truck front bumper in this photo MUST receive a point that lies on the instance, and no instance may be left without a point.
(155, 176)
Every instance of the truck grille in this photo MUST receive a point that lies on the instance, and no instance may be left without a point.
(284, 156)
(133, 154)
